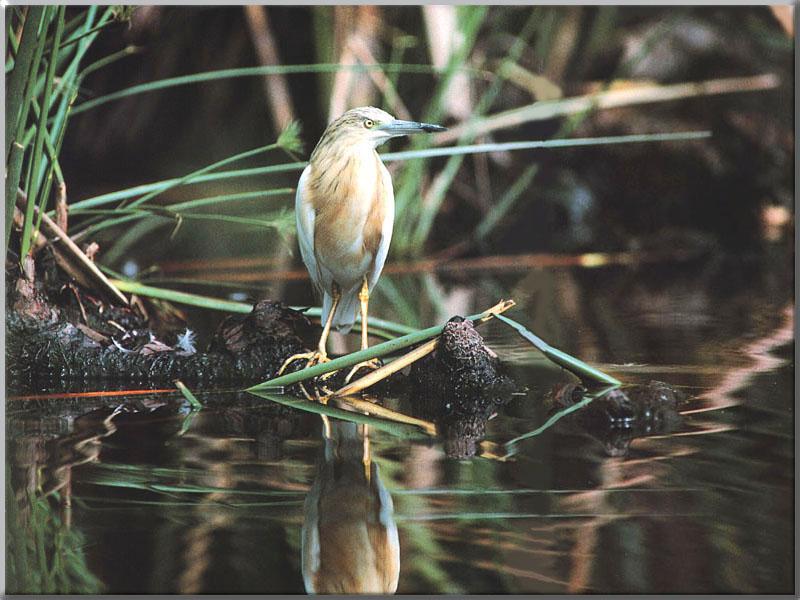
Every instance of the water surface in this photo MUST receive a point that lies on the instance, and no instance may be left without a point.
(166, 500)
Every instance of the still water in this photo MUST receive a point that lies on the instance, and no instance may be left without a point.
(250, 496)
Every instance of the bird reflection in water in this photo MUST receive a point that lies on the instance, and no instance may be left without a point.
(349, 538)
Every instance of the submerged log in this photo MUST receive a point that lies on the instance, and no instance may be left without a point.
(59, 337)
(620, 416)
(245, 349)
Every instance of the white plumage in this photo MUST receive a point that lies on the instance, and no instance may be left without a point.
(344, 208)
(324, 271)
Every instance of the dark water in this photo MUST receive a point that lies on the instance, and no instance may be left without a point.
(160, 499)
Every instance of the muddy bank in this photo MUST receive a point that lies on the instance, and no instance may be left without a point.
(65, 354)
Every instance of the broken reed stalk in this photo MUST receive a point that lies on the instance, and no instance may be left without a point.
(585, 372)
(386, 413)
(385, 371)
(54, 231)
(375, 351)
(402, 428)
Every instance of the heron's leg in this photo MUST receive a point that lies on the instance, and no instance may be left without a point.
(320, 355)
(336, 292)
(373, 363)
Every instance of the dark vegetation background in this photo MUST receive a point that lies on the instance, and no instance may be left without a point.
(726, 202)
(733, 190)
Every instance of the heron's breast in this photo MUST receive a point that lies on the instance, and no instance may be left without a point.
(349, 199)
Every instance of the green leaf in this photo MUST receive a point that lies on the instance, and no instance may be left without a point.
(190, 397)
(585, 372)
(511, 445)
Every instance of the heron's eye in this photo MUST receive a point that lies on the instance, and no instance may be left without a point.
(369, 123)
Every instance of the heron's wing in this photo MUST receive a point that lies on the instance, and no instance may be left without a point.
(386, 228)
(304, 212)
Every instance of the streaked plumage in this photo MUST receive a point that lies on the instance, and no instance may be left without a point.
(345, 212)
(349, 540)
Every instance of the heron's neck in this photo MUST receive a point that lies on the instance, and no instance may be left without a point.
(342, 166)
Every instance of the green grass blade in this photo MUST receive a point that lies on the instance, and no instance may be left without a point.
(189, 299)
(12, 184)
(585, 372)
(190, 397)
(53, 168)
(195, 78)
(33, 190)
(108, 60)
(133, 287)
(18, 80)
(511, 445)
(145, 188)
(189, 177)
(214, 200)
(548, 144)
(383, 349)
(190, 204)
(77, 38)
(70, 80)
(281, 221)
(507, 200)
(395, 296)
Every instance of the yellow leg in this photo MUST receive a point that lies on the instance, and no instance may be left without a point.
(373, 363)
(321, 354)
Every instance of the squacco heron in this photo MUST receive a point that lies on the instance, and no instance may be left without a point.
(345, 213)
(349, 540)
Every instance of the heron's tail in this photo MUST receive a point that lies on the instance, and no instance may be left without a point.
(346, 311)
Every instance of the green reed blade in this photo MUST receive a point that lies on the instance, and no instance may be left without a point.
(566, 143)
(149, 187)
(213, 166)
(189, 299)
(190, 397)
(354, 358)
(511, 445)
(585, 372)
(255, 72)
(18, 80)
(12, 184)
(35, 185)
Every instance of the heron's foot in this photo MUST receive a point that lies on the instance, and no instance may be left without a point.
(371, 364)
(313, 358)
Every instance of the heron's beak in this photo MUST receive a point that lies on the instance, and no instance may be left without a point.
(398, 127)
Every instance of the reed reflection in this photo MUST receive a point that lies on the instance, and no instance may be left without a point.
(349, 537)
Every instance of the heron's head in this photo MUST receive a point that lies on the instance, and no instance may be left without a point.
(372, 125)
